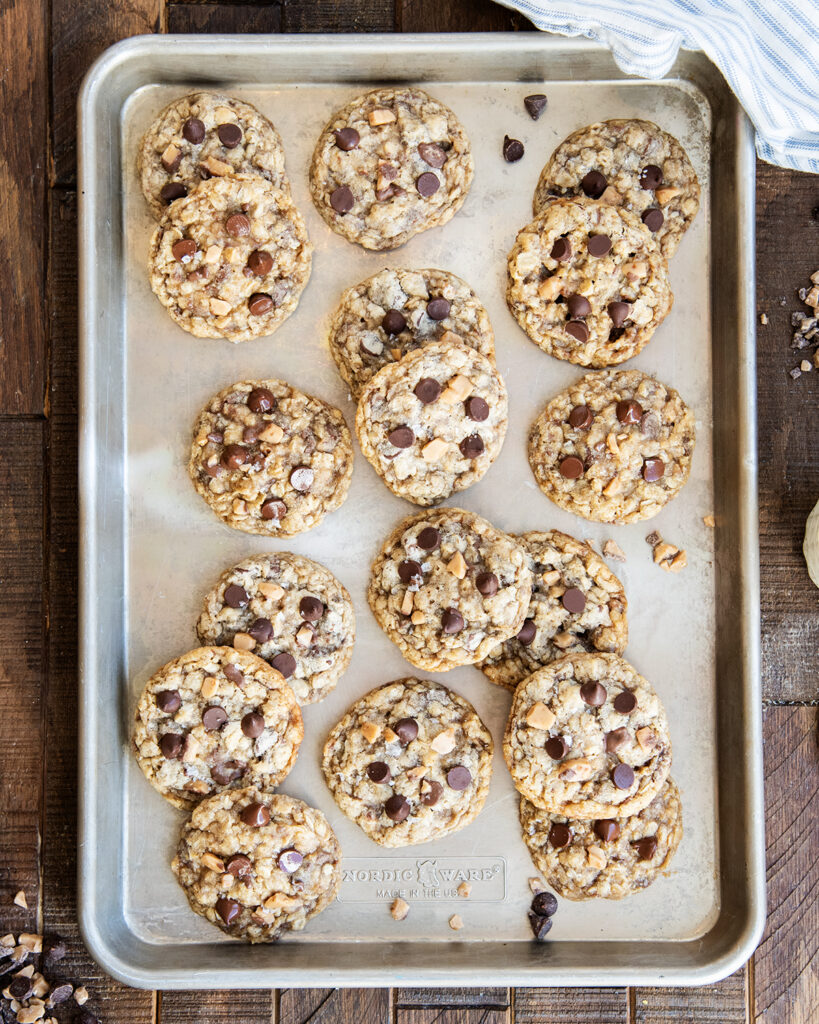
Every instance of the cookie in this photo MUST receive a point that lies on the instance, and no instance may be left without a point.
(215, 719)
(205, 135)
(587, 282)
(630, 164)
(587, 737)
(257, 864)
(447, 588)
(410, 762)
(615, 447)
(288, 610)
(612, 857)
(389, 164)
(577, 605)
(396, 312)
(270, 459)
(433, 423)
(231, 259)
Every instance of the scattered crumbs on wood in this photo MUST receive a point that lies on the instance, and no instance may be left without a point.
(763, 319)
(806, 366)
(81, 995)
(20, 900)
(455, 922)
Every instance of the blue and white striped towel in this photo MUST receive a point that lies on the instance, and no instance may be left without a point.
(768, 51)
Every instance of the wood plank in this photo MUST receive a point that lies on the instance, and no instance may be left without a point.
(787, 255)
(723, 1003)
(210, 17)
(571, 1006)
(239, 1007)
(23, 141)
(80, 32)
(451, 1015)
(498, 998)
(786, 979)
(334, 1005)
(331, 16)
(457, 16)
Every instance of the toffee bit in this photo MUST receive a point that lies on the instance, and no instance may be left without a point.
(709, 521)
(464, 890)
(613, 550)
(20, 900)
(456, 923)
(399, 909)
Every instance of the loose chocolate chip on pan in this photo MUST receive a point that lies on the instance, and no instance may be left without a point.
(378, 772)
(486, 583)
(227, 909)
(239, 865)
(594, 184)
(540, 925)
(535, 104)
(652, 218)
(556, 747)
(581, 417)
(172, 190)
(427, 184)
(230, 135)
(574, 600)
(623, 776)
(214, 717)
(255, 815)
(651, 177)
(438, 308)
(599, 245)
(168, 701)
(406, 729)
(427, 390)
(593, 694)
(253, 724)
(341, 199)
(619, 312)
(629, 411)
(184, 250)
(260, 263)
(261, 630)
(607, 829)
(578, 330)
(311, 609)
(472, 446)
(614, 740)
(301, 478)
(645, 847)
(429, 538)
(458, 777)
(290, 860)
(284, 663)
(226, 772)
(236, 596)
(171, 745)
(432, 154)
(193, 130)
(394, 321)
(434, 794)
(653, 470)
(273, 508)
(401, 437)
(259, 304)
(233, 674)
(347, 139)
(578, 305)
(512, 149)
(234, 456)
(238, 225)
(476, 408)
(571, 467)
(561, 250)
(560, 835)
(526, 633)
(625, 702)
(397, 808)
(410, 570)
(545, 904)
(452, 620)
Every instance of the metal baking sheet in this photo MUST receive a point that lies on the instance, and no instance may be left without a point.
(150, 546)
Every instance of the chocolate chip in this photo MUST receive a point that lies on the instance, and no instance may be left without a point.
(571, 467)
(653, 470)
(594, 184)
(394, 321)
(599, 245)
(233, 456)
(347, 139)
(476, 408)
(261, 400)
(311, 609)
(452, 620)
(427, 390)
(227, 909)
(540, 925)
(556, 747)
(301, 478)
(379, 772)
(561, 250)
(226, 772)
(401, 437)
(230, 135)
(619, 312)
(625, 702)
(232, 673)
(172, 190)
(512, 149)
(607, 829)
(253, 724)
(168, 701)
(578, 330)
(623, 776)
(581, 417)
(238, 225)
(472, 446)
(578, 305)
(251, 434)
(341, 199)
(60, 993)
(397, 808)
(431, 154)
(593, 694)
(259, 304)
(236, 596)
(406, 729)
(458, 777)
(193, 130)
(629, 411)
(545, 904)
(214, 717)
(427, 184)
(273, 508)
(216, 436)
(651, 177)
(434, 795)
(486, 583)
(428, 538)
(171, 745)
(535, 104)
(184, 250)
(260, 263)
(290, 860)
(652, 218)
(650, 425)
(54, 948)
(261, 630)
(526, 633)
(560, 835)
(615, 739)
(255, 815)
(409, 570)
(645, 847)
(20, 987)
(284, 663)
(239, 866)
(574, 600)
(438, 308)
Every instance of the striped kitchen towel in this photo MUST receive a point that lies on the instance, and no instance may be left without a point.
(768, 51)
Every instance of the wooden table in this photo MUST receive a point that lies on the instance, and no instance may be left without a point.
(47, 45)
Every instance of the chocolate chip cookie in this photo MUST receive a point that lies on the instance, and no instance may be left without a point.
(628, 163)
(206, 135)
(231, 259)
(587, 282)
(611, 857)
(587, 737)
(396, 312)
(433, 423)
(288, 610)
(270, 459)
(409, 762)
(447, 588)
(257, 864)
(389, 164)
(216, 719)
(577, 604)
(615, 447)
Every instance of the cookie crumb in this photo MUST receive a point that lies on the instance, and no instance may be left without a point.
(399, 909)
(536, 885)
(81, 995)
(465, 890)
(589, 541)
(805, 366)
(8, 941)
(763, 319)
(653, 539)
(795, 372)
(613, 550)
(455, 922)
(709, 521)
(667, 556)
(20, 900)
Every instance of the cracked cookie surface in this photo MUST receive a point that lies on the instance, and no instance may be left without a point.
(369, 179)
(409, 762)
(231, 259)
(270, 459)
(587, 282)
(257, 864)
(215, 719)
(615, 447)
(288, 610)
(577, 605)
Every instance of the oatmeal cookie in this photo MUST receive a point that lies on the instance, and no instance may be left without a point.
(396, 312)
(612, 857)
(577, 604)
(587, 737)
(231, 260)
(288, 610)
(433, 423)
(270, 459)
(628, 163)
(615, 447)
(587, 282)
(447, 588)
(215, 719)
(257, 864)
(409, 762)
(205, 135)
(391, 163)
